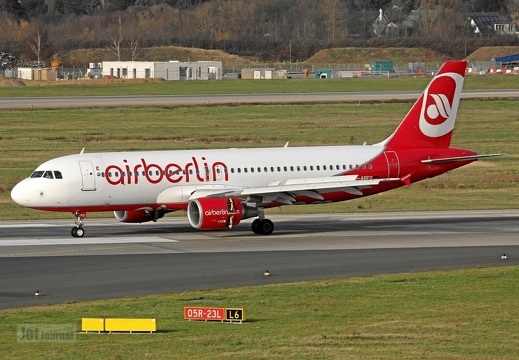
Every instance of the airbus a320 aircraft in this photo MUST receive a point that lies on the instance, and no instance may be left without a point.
(219, 188)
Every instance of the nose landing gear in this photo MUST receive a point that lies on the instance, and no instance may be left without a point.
(78, 231)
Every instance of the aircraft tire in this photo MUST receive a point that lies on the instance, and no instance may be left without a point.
(256, 226)
(266, 227)
(80, 232)
(262, 227)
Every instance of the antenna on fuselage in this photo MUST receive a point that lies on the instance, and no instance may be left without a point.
(286, 145)
(82, 151)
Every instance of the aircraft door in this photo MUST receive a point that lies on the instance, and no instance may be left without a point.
(87, 176)
(393, 165)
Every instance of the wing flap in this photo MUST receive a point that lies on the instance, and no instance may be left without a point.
(286, 191)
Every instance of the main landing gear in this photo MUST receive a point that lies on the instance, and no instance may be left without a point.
(262, 227)
(78, 231)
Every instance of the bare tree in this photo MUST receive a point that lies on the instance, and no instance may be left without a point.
(334, 13)
(116, 41)
(36, 45)
(513, 8)
(133, 44)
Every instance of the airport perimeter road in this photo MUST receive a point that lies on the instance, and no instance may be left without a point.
(116, 260)
(219, 99)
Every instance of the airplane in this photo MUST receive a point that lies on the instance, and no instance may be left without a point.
(220, 187)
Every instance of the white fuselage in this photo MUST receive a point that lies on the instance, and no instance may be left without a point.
(116, 180)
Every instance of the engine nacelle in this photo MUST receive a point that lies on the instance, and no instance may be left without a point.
(217, 213)
(137, 216)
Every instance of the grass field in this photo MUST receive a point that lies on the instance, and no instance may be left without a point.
(465, 314)
(30, 137)
(469, 314)
(92, 88)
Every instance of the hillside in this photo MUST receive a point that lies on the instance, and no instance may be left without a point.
(488, 52)
(366, 55)
(82, 57)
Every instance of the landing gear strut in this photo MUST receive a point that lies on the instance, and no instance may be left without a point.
(262, 227)
(78, 231)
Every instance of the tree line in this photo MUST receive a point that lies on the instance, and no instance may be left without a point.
(270, 30)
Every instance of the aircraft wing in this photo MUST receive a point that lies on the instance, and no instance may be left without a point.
(286, 191)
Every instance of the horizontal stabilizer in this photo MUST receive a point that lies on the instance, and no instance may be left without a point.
(460, 158)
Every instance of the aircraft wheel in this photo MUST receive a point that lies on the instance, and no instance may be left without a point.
(77, 231)
(256, 226)
(266, 226)
(80, 232)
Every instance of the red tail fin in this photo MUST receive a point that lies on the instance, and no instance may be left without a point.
(430, 121)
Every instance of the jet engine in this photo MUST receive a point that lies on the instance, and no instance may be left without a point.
(218, 213)
(138, 216)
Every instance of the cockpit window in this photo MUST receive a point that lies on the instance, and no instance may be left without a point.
(48, 175)
(37, 174)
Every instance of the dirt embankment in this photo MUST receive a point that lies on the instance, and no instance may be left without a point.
(488, 52)
(81, 57)
(366, 55)
(6, 82)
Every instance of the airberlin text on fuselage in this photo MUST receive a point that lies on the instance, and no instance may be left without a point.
(174, 173)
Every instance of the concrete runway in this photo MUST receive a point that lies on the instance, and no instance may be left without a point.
(219, 99)
(114, 260)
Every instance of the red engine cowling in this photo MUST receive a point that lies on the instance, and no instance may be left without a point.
(214, 213)
(137, 216)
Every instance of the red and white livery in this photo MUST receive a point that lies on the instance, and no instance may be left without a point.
(219, 188)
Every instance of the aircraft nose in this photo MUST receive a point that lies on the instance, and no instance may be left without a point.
(20, 194)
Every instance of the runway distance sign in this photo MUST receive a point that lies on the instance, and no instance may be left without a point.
(214, 314)
(235, 315)
(204, 313)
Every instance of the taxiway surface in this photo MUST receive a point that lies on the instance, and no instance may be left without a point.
(116, 260)
(220, 99)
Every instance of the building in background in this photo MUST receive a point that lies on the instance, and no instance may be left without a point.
(171, 70)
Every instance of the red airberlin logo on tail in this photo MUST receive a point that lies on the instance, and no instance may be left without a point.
(193, 171)
(440, 104)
